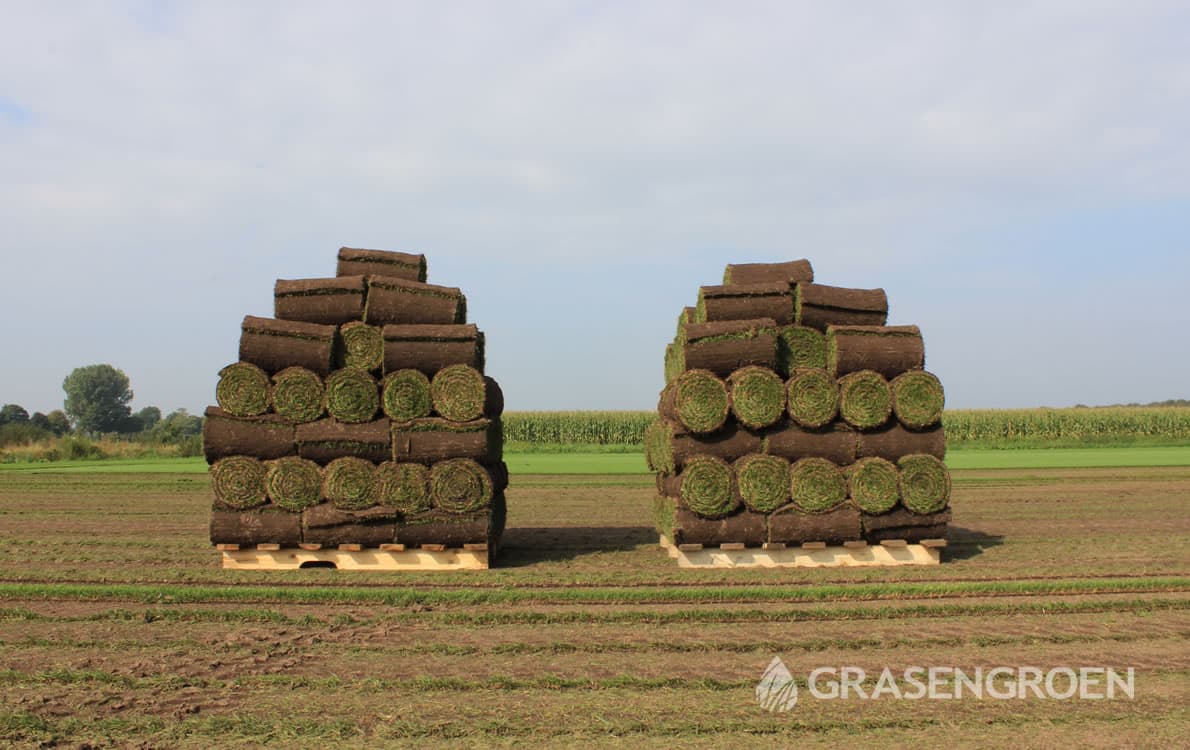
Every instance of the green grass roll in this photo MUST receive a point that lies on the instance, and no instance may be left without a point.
(799, 346)
(362, 345)
(243, 390)
(697, 400)
(708, 487)
(873, 484)
(406, 395)
(460, 485)
(293, 483)
(350, 483)
(763, 481)
(458, 393)
(298, 395)
(865, 400)
(238, 482)
(917, 399)
(816, 485)
(925, 483)
(757, 396)
(352, 395)
(403, 487)
(812, 397)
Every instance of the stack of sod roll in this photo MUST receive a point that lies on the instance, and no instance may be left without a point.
(792, 414)
(358, 415)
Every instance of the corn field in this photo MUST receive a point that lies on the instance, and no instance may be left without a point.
(577, 427)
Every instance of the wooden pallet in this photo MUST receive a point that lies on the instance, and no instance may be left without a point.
(354, 557)
(889, 553)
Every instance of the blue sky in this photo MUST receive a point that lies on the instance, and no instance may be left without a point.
(1015, 175)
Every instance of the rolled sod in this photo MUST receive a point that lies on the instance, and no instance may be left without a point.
(708, 487)
(816, 484)
(894, 442)
(888, 350)
(406, 395)
(350, 483)
(745, 302)
(865, 400)
(400, 301)
(763, 481)
(493, 398)
(435, 439)
(298, 395)
(430, 348)
(265, 525)
(264, 437)
(675, 362)
(757, 396)
(917, 399)
(325, 301)
(812, 397)
(724, 347)
(686, 317)
(744, 527)
(901, 524)
(790, 272)
(669, 485)
(354, 261)
(404, 487)
(460, 485)
(697, 400)
(835, 442)
(243, 390)
(362, 346)
(925, 484)
(669, 446)
(331, 526)
(274, 345)
(799, 346)
(293, 483)
(793, 526)
(454, 529)
(352, 395)
(873, 484)
(459, 393)
(238, 482)
(817, 306)
(327, 439)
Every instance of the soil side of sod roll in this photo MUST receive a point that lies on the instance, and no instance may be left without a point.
(724, 347)
(818, 306)
(835, 442)
(925, 484)
(873, 484)
(264, 437)
(452, 529)
(901, 524)
(799, 346)
(272, 345)
(430, 348)
(404, 487)
(298, 395)
(266, 525)
(459, 393)
(243, 390)
(918, 399)
(238, 482)
(293, 483)
(352, 396)
(670, 447)
(354, 261)
(888, 350)
(745, 302)
(792, 526)
(330, 526)
(686, 317)
(393, 301)
(405, 395)
(763, 481)
(757, 396)
(361, 346)
(326, 301)
(433, 439)
(669, 485)
(493, 400)
(816, 485)
(697, 400)
(708, 487)
(327, 439)
(895, 442)
(744, 527)
(812, 397)
(865, 399)
(790, 272)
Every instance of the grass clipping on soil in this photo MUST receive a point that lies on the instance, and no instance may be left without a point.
(925, 484)
(363, 345)
(243, 390)
(460, 485)
(458, 393)
(799, 346)
(350, 483)
(293, 483)
(238, 482)
(403, 487)
(812, 396)
(298, 395)
(698, 400)
(406, 395)
(352, 395)
(874, 484)
(763, 481)
(865, 400)
(708, 487)
(816, 485)
(757, 396)
(917, 399)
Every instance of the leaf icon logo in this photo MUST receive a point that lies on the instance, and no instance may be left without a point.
(777, 690)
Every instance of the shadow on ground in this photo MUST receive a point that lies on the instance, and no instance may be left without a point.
(964, 543)
(526, 545)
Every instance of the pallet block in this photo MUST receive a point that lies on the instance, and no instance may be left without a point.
(367, 558)
(807, 556)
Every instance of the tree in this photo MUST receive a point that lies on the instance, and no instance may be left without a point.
(13, 414)
(40, 421)
(148, 417)
(97, 398)
(178, 425)
(59, 424)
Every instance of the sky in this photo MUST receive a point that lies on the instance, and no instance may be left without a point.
(1016, 176)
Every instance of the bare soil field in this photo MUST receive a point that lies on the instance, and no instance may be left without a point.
(118, 628)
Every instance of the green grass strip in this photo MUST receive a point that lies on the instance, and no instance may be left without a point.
(865, 400)
(925, 483)
(763, 481)
(406, 395)
(917, 399)
(362, 345)
(350, 483)
(816, 484)
(698, 400)
(403, 487)
(812, 396)
(460, 485)
(799, 346)
(757, 396)
(873, 484)
(243, 390)
(458, 393)
(352, 395)
(708, 487)
(238, 482)
(298, 395)
(293, 483)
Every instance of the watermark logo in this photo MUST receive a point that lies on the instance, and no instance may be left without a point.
(777, 690)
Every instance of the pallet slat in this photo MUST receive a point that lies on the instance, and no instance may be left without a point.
(803, 556)
(293, 558)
